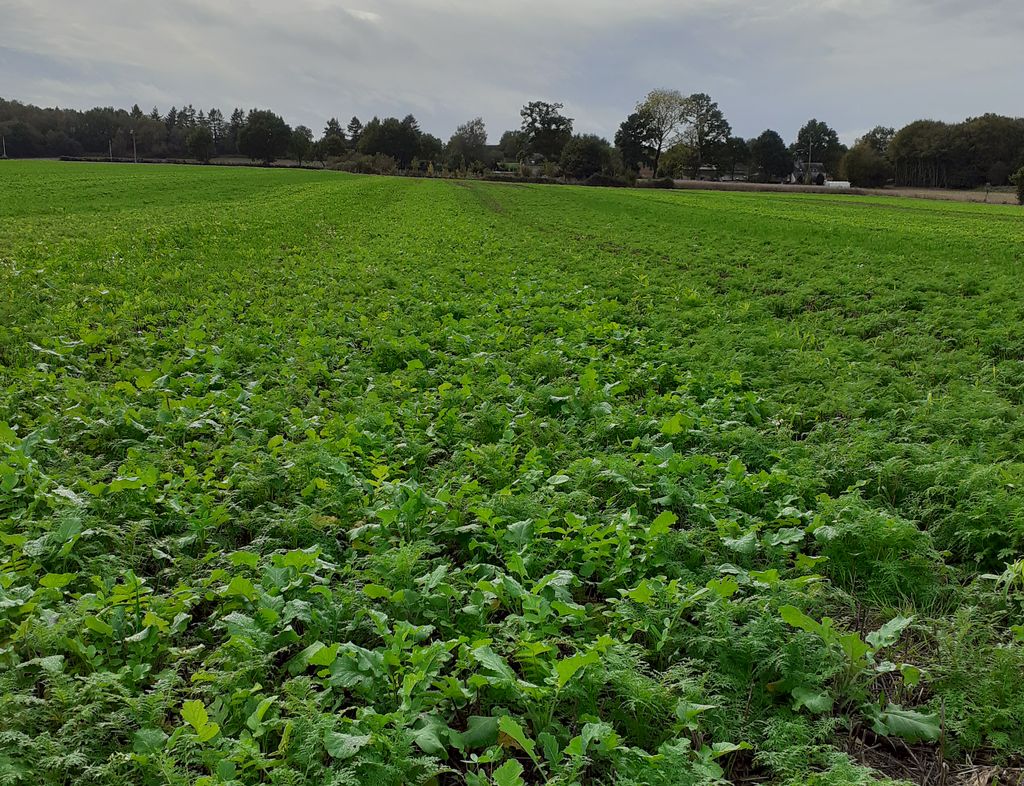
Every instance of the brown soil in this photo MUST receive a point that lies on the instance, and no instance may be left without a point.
(925, 764)
(994, 197)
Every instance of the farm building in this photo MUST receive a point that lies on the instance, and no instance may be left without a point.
(818, 173)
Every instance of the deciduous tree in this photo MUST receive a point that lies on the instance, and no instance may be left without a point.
(545, 129)
(818, 142)
(392, 137)
(264, 137)
(585, 155)
(666, 113)
(705, 129)
(864, 166)
(878, 139)
(468, 144)
(677, 161)
(300, 147)
(431, 149)
(770, 156)
(635, 139)
(512, 145)
(200, 143)
(730, 155)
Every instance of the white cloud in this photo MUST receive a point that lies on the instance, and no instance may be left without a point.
(366, 16)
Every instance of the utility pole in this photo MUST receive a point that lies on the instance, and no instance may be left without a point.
(135, 150)
(810, 157)
(5, 146)
(110, 149)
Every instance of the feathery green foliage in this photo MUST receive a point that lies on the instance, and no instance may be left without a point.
(309, 478)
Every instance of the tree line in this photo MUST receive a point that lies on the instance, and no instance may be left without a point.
(668, 134)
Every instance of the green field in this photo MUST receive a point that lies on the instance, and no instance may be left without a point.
(309, 478)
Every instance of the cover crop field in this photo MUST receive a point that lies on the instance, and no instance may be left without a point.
(308, 478)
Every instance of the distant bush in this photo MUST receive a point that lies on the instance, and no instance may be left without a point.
(1018, 180)
(664, 182)
(612, 181)
(364, 164)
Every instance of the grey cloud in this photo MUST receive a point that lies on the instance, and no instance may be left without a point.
(769, 63)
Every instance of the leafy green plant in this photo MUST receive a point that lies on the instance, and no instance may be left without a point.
(860, 667)
(315, 478)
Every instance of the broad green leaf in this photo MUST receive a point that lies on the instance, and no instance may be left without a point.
(481, 732)
(246, 558)
(494, 663)
(688, 712)
(911, 674)
(674, 425)
(770, 577)
(97, 625)
(51, 664)
(7, 434)
(910, 725)
(854, 647)
(641, 594)
(791, 615)
(299, 559)
(56, 580)
(344, 746)
(806, 563)
(746, 545)
(549, 746)
(148, 741)
(785, 537)
(207, 732)
(568, 667)
(145, 379)
(663, 524)
(724, 587)
(509, 774)
(256, 716)
(431, 735)
(376, 591)
(889, 633)
(814, 701)
(720, 749)
(511, 729)
(316, 654)
(355, 666)
(194, 713)
(240, 587)
(324, 656)
(601, 733)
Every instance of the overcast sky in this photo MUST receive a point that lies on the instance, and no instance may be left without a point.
(769, 63)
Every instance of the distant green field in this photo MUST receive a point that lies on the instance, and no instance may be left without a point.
(309, 478)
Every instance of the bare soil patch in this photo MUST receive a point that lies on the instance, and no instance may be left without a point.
(994, 196)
